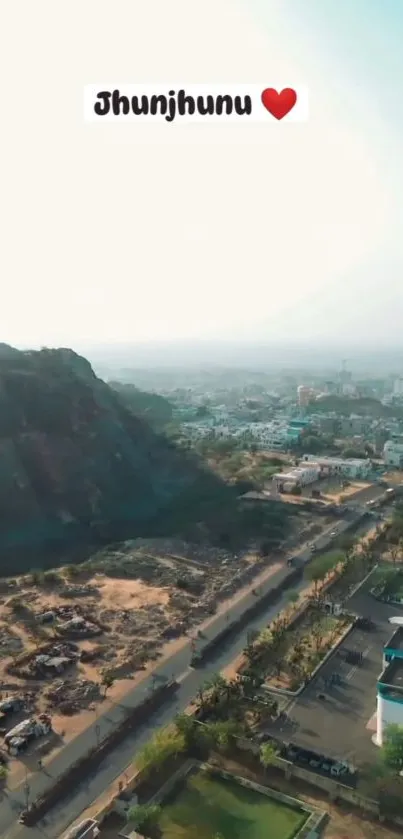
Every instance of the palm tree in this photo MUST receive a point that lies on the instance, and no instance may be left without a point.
(268, 754)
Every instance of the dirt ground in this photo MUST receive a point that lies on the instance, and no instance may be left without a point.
(130, 615)
(394, 477)
(333, 490)
(110, 598)
(132, 594)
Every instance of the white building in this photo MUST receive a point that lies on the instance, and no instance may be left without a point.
(300, 476)
(389, 708)
(393, 453)
(268, 435)
(353, 468)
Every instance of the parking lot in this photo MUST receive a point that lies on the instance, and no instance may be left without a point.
(333, 719)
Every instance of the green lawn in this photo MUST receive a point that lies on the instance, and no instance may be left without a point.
(216, 808)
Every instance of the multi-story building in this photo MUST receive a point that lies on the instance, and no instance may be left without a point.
(300, 476)
(393, 452)
(389, 709)
(353, 468)
(305, 395)
(353, 425)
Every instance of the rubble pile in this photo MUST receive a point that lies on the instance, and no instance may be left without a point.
(10, 644)
(70, 697)
(18, 738)
(79, 591)
(104, 652)
(63, 613)
(69, 620)
(52, 659)
(136, 656)
(194, 593)
(186, 550)
(78, 627)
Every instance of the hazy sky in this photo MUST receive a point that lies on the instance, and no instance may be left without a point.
(127, 232)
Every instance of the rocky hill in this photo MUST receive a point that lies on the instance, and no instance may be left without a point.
(152, 407)
(78, 468)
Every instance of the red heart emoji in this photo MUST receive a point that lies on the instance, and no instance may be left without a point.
(279, 104)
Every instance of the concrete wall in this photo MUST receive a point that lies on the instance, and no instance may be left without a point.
(314, 817)
(334, 789)
(388, 712)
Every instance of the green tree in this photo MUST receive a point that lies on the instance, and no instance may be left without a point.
(346, 543)
(293, 597)
(392, 748)
(267, 755)
(223, 733)
(107, 681)
(319, 567)
(188, 728)
(166, 743)
(142, 816)
(216, 684)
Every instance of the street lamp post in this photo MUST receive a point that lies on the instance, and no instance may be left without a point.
(27, 791)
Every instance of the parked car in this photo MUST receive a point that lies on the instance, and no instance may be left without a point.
(327, 765)
(292, 752)
(339, 769)
(364, 623)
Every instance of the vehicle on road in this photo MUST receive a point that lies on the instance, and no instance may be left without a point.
(88, 829)
(364, 623)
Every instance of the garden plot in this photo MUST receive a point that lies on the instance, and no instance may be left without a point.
(207, 805)
(286, 656)
(306, 648)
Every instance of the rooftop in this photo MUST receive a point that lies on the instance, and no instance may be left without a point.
(352, 461)
(392, 676)
(395, 641)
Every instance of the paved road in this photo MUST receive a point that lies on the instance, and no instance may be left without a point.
(12, 802)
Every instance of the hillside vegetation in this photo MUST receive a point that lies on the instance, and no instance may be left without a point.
(152, 407)
(79, 468)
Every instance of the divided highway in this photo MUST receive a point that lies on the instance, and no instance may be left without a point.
(178, 667)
